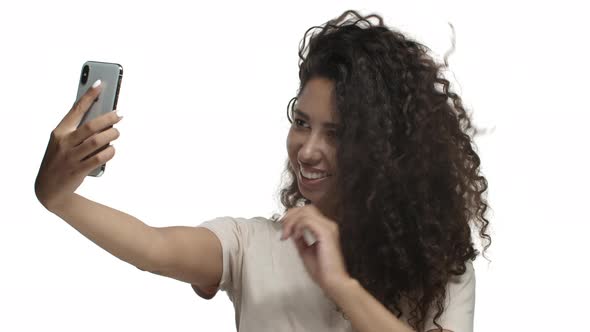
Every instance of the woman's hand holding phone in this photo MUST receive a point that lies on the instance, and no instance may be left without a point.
(74, 152)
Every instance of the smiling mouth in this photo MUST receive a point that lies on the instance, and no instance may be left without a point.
(310, 179)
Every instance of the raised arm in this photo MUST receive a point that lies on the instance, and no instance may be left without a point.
(117, 232)
(189, 254)
(185, 253)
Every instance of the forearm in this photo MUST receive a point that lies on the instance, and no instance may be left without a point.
(365, 313)
(122, 235)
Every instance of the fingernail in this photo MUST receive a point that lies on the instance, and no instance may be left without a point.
(309, 237)
(97, 83)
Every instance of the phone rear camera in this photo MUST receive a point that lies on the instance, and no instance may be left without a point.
(84, 77)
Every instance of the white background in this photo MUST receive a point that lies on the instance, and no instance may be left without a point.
(204, 96)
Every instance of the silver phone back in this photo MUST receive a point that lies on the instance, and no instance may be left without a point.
(110, 75)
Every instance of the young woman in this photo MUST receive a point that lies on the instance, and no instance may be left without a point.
(383, 175)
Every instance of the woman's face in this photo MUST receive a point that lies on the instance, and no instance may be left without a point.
(311, 143)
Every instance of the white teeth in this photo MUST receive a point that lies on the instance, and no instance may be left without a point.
(313, 176)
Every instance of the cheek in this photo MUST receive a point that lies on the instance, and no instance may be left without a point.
(291, 149)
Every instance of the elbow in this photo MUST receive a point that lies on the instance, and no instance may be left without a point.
(150, 261)
(146, 267)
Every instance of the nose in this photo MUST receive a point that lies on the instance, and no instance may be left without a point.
(311, 149)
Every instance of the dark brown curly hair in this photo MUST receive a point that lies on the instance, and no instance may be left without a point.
(413, 186)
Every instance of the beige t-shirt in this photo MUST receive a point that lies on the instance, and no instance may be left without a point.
(270, 289)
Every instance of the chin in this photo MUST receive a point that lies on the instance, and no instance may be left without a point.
(314, 198)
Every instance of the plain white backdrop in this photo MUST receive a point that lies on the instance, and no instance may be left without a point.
(204, 98)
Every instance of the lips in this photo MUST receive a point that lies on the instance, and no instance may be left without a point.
(312, 185)
(309, 179)
(314, 170)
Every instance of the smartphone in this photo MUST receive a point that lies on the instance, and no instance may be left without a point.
(110, 75)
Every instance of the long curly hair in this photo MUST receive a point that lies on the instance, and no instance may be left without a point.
(413, 185)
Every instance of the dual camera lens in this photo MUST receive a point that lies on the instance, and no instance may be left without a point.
(84, 77)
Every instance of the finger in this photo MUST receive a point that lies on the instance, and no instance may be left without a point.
(288, 222)
(300, 245)
(100, 158)
(285, 230)
(93, 143)
(74, 116)
(307, 231)
(298, 230)
(92, 127)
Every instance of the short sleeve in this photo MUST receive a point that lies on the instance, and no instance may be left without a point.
(231, 235)
(459, 305)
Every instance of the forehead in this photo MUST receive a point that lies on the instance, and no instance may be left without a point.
(316, 102)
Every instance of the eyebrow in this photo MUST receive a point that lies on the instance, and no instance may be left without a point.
(306, 117)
